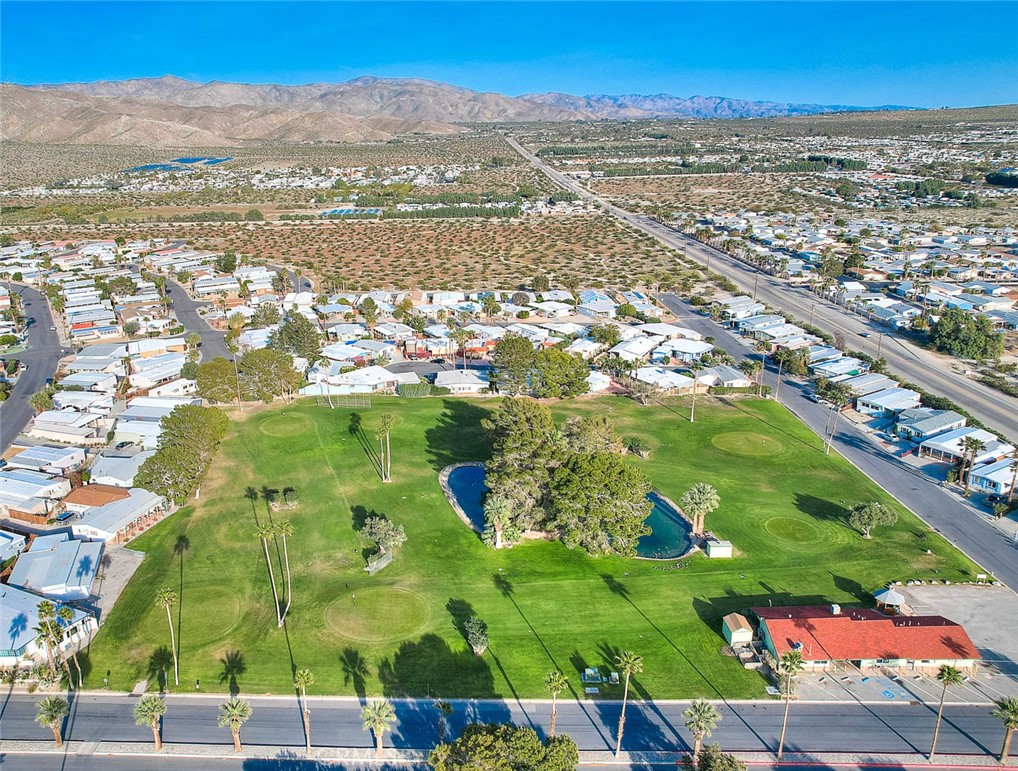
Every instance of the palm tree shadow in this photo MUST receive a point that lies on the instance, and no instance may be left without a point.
(180, 546)
(159, 664)
(233, 667)
(356, 430)
(355, 670)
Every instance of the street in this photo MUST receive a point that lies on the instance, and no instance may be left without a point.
(932, 372)
(42, 357)
(651, 727)
(968, 530)
(213, 342)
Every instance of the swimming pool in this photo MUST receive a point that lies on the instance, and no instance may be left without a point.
(669, 537)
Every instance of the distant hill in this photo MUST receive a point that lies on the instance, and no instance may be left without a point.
(630, 106)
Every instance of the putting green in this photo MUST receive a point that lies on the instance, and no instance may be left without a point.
(286, 424)
(217, 606)
(747, 443)
(377, 614)
(791, 529)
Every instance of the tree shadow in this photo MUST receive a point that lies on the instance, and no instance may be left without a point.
(356, 429)
(652, 731)
(233, 667)
(854, 588)
(428, 667)
(461, 611)
(355, 670)
(159, 665)
(457, 435)
(180, 546)
(252, 496)
(822, 509)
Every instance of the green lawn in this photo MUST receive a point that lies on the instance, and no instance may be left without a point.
(547, 607)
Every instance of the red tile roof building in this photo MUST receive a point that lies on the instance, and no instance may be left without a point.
(865, 637)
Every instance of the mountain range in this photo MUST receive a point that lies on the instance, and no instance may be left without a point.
(174, 112)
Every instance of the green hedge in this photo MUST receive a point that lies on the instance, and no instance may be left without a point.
(414, 390)
(726, 391)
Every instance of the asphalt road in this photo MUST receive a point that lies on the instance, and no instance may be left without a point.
(213, 342)
(42, 356)
(744, 727)
(908, 361)
(971, 531)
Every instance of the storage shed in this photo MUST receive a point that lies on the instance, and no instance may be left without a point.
(736, 629)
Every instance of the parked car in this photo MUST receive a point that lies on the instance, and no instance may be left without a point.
(818, 399)
(122, 445)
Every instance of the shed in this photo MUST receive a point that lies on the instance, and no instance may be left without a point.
(736, 629)
(718, 549)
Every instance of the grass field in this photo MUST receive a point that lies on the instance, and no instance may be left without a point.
(397, 633)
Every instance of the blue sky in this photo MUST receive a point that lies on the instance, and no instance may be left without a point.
(862, 53)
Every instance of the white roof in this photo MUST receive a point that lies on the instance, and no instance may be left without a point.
(951, 442)
(114, 517)
(448, 378)
(19, 615)
(663, 378)
(999, 471)
(58, 566)
(365, 376)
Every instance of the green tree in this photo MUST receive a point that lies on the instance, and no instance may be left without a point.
(752, 368)
(477, 635)
(253, 215)
(629, 664)
(1006, 711)
(377, 717)
(599, 503)
(592, 434)
(42, 399)
(699, 501)
(495, 747)
(966, 336)
(554, 684)
(50, 713)
(266, 373)
(946, 676)
(513, 361)
(383, 533)
(265, 315)
(541, 283)
(216, 381)
(166, 599)
(711, 758)
(701, 718)
(198, 429)
(499, 529)
(490, 305)
(233, 714)
(226, 262)
(173, 472)
(866, 516)
(266, 531)
(789, 665)
(149, 711)
(298, 337)
(559, 375)
(606, 334)
(131, 328)
(303, 680)
(972, 447)
(386, 422)
(369, 311)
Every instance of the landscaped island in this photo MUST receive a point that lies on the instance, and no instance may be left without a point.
(546, 607)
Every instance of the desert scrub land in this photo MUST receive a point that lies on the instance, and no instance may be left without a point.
(399, 632)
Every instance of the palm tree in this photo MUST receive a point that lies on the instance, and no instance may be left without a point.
(751, 368)
(789, 666)
(167, 598)
(378, 717)
(327, 387)
(302, 681)
(387, 423)
(946, 675)
(265, 531)
(497, 511)
(380, 436)
(233, 714)
(444, 711)
(50, 713)
(47, 613)
(284, 529)
(694, 367)
(699, 501)
(1006, 710)
(554, 683)
(66, 616)
(971, 447)
(629, 663)
(149, 711)
(701, 717)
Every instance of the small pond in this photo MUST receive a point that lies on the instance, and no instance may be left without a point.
(669, 537)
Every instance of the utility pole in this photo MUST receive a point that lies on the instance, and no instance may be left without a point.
(756, 281)
(777, 387)
(880, 339)
(812, 308)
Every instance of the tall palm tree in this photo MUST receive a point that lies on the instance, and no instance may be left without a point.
(497, 511)
(694, 367)
(789, 666)
(972, 447)
(50, 713)
(1006, 710)
(47, 613)
(284, 529)
(265, 531)
(946, 675)
(233, 714)
(751, 368)
(701, 717)
(698, 501)
(379, 434)
(167, 598)
(387, 421)
(378, 717)
(629, 664)
(149, 711)
(444, 711)
(554, 684)
(327, 387)
(66, 617)
(303, 680)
